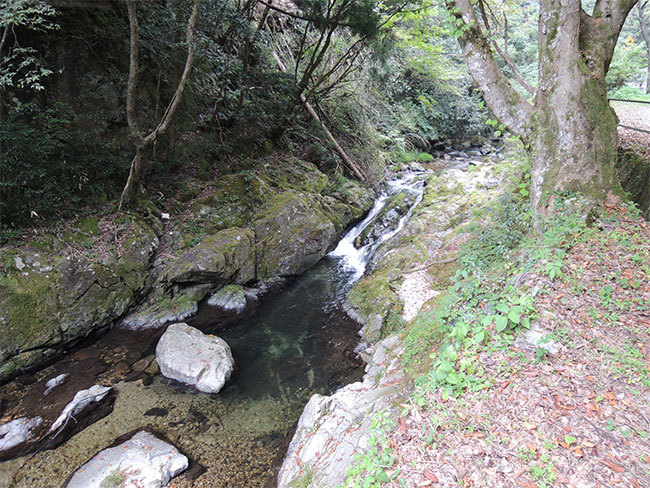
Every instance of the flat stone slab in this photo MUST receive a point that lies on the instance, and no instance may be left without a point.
(144, 461)
(187, 355)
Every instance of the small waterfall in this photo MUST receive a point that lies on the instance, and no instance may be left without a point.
(355, 260)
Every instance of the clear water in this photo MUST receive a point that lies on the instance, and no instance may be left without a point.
(296, 343)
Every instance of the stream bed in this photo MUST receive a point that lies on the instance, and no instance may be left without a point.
(298, 341)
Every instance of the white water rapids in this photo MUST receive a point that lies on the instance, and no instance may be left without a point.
(355, 260)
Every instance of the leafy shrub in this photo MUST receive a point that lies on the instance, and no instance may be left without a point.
(51, 162)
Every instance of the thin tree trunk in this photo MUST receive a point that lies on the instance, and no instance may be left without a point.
(139, 165)
(646, 38)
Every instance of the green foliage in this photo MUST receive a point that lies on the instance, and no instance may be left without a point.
(628, 66)
(369, 469)
(52, 164)
(629, 93)
(485, 308)
(21, 66)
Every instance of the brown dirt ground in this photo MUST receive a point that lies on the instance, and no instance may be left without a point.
(580, 418)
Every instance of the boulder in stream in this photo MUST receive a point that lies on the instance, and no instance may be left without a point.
(143, 461)
(17, 432)
(81, 400)
(332, 429)
(293, 232)
(187, 355)
(388, 218)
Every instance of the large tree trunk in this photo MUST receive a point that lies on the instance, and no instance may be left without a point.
(573, 131)
(570, 127)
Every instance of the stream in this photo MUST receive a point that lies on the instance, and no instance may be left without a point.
(297, 342)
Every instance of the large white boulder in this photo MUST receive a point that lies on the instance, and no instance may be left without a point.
(187, 355)
(144, 461)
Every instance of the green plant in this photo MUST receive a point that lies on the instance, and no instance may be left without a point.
(544, 472)
(369, 469)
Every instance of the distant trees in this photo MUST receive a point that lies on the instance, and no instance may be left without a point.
(644, 26)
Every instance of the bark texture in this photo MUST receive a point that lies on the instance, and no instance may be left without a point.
(569, 126)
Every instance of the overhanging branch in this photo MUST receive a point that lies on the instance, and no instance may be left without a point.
(504, 101)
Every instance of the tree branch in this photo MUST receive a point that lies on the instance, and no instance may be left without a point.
(504, 55)
(178, 94)
(505, 102)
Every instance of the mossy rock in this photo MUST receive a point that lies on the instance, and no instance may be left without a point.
(219, 258)
(359, 198)
(236, 199)
(388, 218)
(634, 173)
(294, 174)
(292, 233)
(45, 307)
(376, 295)
(88, 225)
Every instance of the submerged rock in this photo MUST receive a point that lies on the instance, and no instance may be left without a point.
(17, 432)
(143, 461)
(54, 382)
(81, 400)
(333, 429)
(187, 355)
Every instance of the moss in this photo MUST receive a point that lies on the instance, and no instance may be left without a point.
(89, 225)
(375, 294)
(29, 311)
(634, 173)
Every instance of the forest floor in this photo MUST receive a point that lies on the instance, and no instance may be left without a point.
(577, 416)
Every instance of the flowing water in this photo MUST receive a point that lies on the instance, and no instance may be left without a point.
(296, 343)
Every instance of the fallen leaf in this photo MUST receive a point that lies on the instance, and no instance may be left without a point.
(430, 476)
(401, 425)
(613, 466)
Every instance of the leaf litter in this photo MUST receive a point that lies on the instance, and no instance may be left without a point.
(579, 418)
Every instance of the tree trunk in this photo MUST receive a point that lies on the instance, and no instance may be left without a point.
(573, 146)
(570, 127)
(573, 131)
(140, 163)
(134, 182)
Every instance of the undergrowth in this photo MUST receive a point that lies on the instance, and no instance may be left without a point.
(491, 301)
